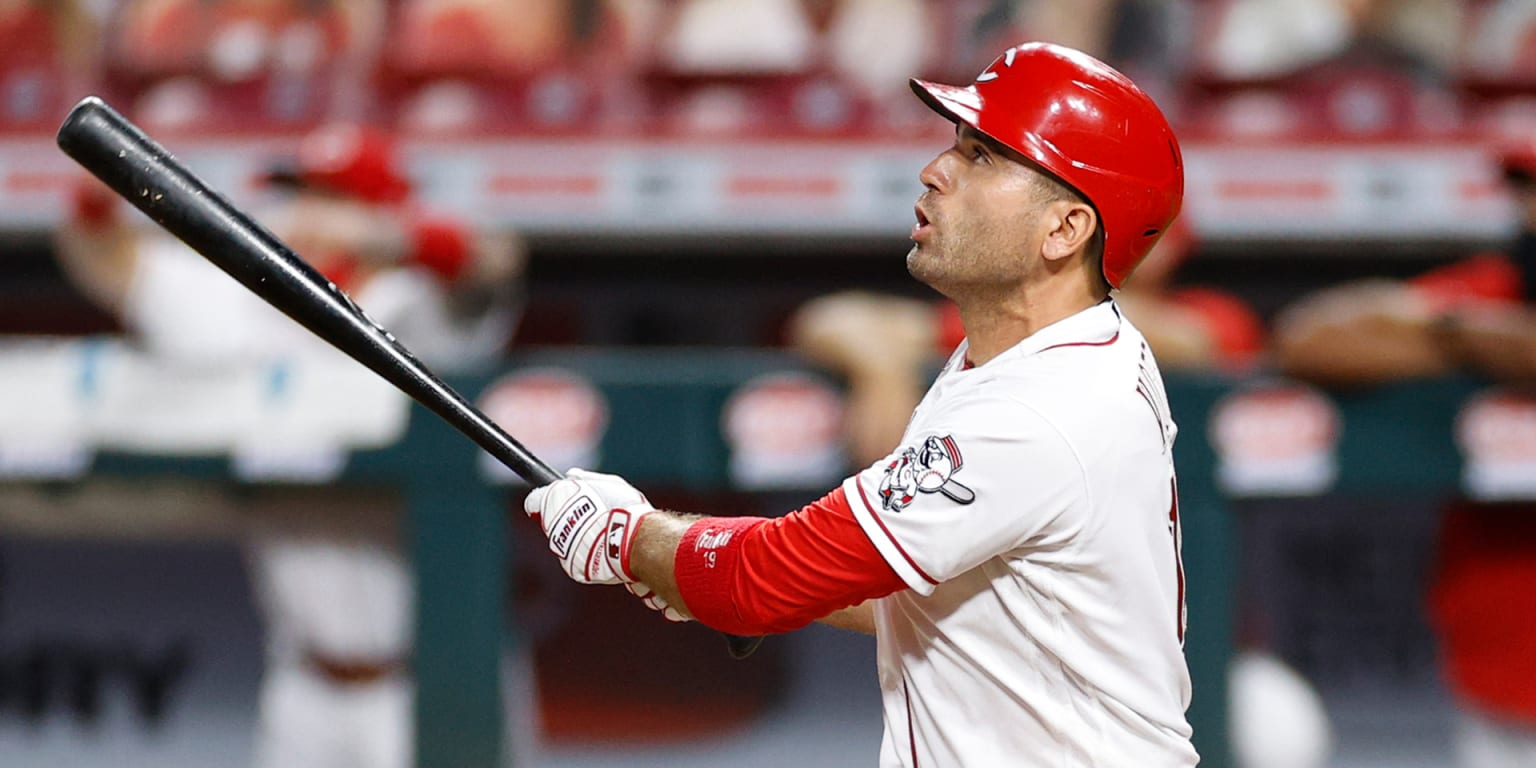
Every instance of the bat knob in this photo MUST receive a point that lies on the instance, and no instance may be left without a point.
(741, 647)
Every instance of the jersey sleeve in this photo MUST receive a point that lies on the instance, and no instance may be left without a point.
(949, 499)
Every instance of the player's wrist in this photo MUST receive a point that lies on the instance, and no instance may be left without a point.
(619, 542)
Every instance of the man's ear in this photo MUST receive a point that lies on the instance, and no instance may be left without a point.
(1071, 226)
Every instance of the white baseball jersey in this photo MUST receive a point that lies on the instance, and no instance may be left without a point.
(1031, 509)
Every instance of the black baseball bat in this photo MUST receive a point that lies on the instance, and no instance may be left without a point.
(142, 172)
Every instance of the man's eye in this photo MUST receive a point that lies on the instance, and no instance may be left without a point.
(979, 153)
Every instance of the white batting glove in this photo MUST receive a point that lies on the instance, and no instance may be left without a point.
(590, 520)
(615, 490)
(655, 602)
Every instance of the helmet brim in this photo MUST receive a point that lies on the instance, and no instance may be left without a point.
(958, 104)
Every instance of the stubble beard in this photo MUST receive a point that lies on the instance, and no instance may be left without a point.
(926, 264)
(953, 271)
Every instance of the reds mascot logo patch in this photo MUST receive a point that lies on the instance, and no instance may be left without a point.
(929, 469)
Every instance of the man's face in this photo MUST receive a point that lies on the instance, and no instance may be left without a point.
(976, 222)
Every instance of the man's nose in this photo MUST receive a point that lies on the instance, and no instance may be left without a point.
(935, 175)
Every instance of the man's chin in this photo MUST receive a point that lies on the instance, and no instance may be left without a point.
(921, 264)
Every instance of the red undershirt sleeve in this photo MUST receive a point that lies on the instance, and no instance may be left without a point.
(753, 575)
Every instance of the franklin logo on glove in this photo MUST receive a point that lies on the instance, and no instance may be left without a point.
(574, 517)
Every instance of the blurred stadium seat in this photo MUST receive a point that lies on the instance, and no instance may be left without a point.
(241, 65)
(1497, 67)
(1338, 101)
(751, 68)
(462, 67)
(1499, 46)
(42, 57)
(1318, 71)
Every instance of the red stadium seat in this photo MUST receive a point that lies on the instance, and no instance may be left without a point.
(1241, 84)
(1333, 101)
(236, 65)
(753, 71)
(1499, 48)
(1508, 119)
(34, 79)
(458, 67)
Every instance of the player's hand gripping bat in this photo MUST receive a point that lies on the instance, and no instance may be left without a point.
(137, 168)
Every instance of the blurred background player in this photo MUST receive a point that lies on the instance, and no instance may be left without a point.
(331, 579)
(1472, 316)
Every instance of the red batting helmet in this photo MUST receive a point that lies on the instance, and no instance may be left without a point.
(1088, 125)
(357, 161)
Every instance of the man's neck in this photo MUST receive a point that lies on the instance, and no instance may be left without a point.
(993, 327)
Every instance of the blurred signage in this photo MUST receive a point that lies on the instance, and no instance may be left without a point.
(785, 430)
(1323, 191)
(126, 652)
(555, 413)
(1496, 433)
(1277, 439)
(851, 188)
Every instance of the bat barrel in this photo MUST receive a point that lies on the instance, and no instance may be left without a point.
(142, 172)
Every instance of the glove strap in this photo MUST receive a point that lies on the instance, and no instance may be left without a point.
(619, 538)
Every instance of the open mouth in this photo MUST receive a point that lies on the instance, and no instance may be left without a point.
(922, 221)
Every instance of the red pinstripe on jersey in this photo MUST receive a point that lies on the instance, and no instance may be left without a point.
(1175, 527)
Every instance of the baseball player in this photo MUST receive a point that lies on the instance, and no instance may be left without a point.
(1017, 557)
(331, 582)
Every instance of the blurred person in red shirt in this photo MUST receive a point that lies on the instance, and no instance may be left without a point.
(1472, 316)
(331, 577)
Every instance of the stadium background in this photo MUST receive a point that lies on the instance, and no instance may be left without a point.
(684, 183)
